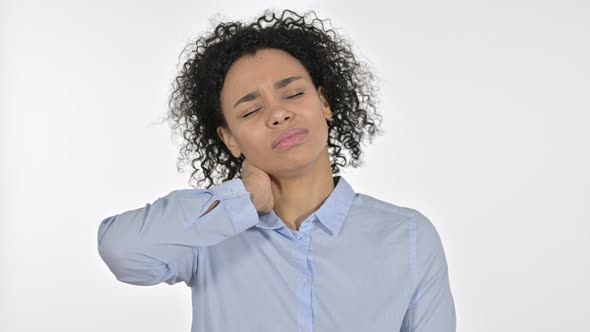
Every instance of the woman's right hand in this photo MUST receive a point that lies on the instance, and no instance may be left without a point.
(258, 183)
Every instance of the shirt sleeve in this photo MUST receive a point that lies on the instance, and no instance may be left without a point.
(160, 241)
(432, 308)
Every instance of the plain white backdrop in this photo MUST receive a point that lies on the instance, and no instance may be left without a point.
(487, 133)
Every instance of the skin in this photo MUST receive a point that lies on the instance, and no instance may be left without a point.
(294, 182)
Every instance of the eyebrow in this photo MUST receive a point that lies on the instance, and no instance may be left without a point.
(278, 84)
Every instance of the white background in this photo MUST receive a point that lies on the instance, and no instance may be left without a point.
(486, 119)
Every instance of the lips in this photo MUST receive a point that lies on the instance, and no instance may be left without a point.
(286, 134)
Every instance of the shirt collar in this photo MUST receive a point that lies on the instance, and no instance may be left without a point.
(332, 213)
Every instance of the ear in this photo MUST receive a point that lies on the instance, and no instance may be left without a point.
(229, 141)
(325, 105)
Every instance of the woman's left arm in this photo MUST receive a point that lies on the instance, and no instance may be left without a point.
(432, 308)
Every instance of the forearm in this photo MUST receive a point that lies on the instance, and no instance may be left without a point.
(160, 241)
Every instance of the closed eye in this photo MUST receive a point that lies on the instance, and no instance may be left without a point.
(295, 95)
(289, 97)
(246, 115)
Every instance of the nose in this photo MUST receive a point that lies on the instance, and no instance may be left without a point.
(280, 115)
(276, 122)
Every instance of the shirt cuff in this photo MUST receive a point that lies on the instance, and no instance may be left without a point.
(235, 200)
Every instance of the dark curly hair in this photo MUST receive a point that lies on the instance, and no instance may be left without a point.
(195, 106)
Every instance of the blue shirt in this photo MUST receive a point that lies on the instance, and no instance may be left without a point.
(356, 264)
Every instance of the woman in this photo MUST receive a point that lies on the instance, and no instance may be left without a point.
(285, 245)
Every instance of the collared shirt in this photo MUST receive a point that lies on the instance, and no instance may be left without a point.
(356, 264)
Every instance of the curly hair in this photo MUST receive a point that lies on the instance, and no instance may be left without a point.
(195, 106)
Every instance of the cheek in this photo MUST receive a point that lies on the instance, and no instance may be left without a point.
(322, 131)
(250, 142)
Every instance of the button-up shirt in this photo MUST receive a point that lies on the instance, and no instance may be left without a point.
(356, 264)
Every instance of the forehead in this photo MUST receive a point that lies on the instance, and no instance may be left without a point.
(267, 65)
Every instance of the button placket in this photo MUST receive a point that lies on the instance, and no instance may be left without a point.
(301, 253)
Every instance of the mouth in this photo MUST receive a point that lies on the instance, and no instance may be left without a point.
(289, 137)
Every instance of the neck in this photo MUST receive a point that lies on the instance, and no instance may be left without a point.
(297, 197)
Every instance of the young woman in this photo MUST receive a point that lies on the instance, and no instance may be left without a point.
(281, 243)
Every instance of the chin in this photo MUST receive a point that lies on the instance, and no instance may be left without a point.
(295, 162)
